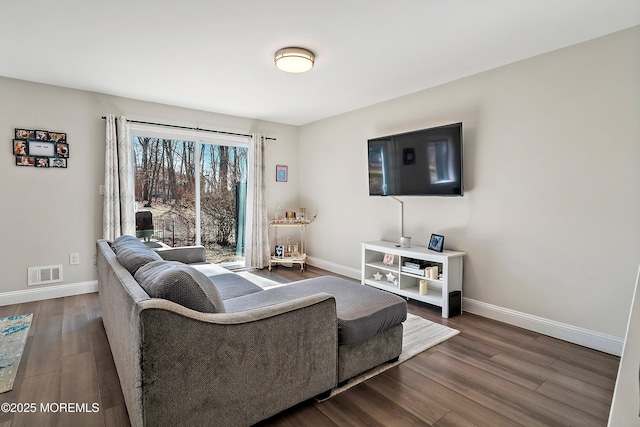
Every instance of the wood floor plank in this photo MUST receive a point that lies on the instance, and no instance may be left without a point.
(467, 381)
(381, 407)
(453, 420)
(414, 401)
(596, 361)
(108, 382)
(446, 396)
(43, 389)
(342, 412)
(511, 348)
(81, 389)
(76, 336)
(592, 407)
(300, 415)
(474, 347)
(586, 375)
(548, 375)
(7, 311)
(116, 416)
(94, 316)
(453, 349)
(46, 350)
(30, 307)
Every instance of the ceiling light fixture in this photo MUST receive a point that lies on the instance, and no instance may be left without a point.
(294, 60)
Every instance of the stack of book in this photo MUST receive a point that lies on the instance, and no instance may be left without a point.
(414, 267)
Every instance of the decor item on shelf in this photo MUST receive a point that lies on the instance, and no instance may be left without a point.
(423, 287)
(294, 60)
(432, 272)
(40, 148)
(405, 242)
(388, 259)
(377, 276)
(279, 251)
(390, 277)
(278, 214)
(282, 173)
(436, 243)
(290, 215)
(302, 214)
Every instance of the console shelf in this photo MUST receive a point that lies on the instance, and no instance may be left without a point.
(444, 292)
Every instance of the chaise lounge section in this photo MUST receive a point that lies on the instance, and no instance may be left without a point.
(228, 352)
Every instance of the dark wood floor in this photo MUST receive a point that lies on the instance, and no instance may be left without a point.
(491, 374)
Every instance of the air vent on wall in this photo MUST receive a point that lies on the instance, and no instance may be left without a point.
(44, 275)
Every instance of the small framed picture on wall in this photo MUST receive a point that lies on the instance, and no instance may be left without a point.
(282, 173)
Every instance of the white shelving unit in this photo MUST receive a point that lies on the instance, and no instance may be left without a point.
(449, 264)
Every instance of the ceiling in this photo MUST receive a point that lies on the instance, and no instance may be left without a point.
(217, 55)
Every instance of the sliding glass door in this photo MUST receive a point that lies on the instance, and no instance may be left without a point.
(175, 209)
(223, 201)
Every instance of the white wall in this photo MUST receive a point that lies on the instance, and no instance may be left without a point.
(49, 213)
(550, 217)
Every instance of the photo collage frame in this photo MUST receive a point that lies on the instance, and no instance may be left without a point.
(40, 148)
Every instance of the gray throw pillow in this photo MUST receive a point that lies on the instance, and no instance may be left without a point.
(181, 284)
(132, 258)
(126, 241)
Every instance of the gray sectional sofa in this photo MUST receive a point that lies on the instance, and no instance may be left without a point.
(196, 344)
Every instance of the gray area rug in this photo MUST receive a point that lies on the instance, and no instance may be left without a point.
(418, 335)
(14, 331)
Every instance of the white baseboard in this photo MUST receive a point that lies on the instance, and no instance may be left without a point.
(595, 340)
(47, 292)
(584, 337)
(354, 273)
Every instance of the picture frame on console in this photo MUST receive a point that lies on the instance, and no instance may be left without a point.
(436, 242)
(388, 259)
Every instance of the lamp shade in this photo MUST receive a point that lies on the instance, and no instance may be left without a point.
(294, 60)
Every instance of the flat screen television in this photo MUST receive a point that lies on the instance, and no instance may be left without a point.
(426, 162)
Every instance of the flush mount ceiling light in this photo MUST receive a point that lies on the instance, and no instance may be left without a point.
(294, 60)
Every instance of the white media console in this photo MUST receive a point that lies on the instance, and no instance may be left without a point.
(441, 291)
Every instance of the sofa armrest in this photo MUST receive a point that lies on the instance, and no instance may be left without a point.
(235, 368)
(185, 254)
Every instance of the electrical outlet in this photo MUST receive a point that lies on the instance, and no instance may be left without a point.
(74, 258)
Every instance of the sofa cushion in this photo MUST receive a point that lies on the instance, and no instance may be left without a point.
(180, 283)
(133, 258)
(132, 253)
(230, 285)
(362, 311)
(126, 241)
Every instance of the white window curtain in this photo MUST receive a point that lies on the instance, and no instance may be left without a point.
(257, 254)
(119, 198)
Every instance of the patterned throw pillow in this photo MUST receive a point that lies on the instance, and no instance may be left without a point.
(132, 253)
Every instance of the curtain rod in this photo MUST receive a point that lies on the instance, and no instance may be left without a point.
(191, 128)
